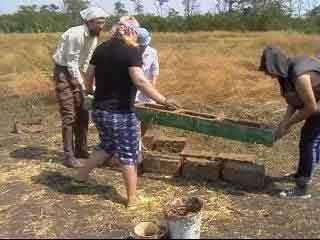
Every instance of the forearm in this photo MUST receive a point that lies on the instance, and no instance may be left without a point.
(305, 92)
(154, 80)
(148, 89)
(289, 112)
(299, 116)
(89, 78)
(72, 50)
(145, 86)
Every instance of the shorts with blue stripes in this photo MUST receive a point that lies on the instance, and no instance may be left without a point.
(119, 133)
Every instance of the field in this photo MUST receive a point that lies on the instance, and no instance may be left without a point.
(208, 72)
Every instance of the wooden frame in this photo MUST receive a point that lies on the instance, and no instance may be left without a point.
(244, 131)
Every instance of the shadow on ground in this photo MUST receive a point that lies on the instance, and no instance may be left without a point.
(37, 153)
(271, 186)
(65, 184)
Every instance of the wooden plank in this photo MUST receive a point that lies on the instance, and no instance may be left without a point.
(244, 131)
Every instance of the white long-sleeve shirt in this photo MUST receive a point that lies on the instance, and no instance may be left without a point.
(75, 49)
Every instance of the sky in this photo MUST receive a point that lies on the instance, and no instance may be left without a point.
(10, 6)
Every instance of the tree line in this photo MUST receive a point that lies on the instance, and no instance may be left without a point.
(231, 15)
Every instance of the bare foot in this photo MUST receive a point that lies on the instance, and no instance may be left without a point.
(132, 202)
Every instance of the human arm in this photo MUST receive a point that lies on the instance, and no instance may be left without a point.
(89, 78)
(140, 81)
(72, 51)
(304, 90)
(282, 127)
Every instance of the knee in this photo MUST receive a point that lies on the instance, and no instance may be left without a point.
(68, 120)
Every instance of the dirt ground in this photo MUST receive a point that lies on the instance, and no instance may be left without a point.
(38, 199)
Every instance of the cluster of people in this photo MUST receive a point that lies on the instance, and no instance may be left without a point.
(124, 69)
(113, 72)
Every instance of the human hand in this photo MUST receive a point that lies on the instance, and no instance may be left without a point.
(171, 104)
(281, 131)
(220, 116)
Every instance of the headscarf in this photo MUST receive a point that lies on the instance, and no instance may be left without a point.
(91, 13)
(130, 23)
(127, 29)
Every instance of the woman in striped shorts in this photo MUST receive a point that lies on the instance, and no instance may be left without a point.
(116, 66)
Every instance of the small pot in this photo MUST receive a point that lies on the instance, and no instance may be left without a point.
(150, 230)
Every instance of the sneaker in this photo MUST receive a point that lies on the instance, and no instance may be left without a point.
(295, 193)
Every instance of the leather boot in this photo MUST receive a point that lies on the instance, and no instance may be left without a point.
(81, 147)
(70, 160)
(81, 132)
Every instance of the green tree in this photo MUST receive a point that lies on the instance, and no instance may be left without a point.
(173, 12)
(73, 8)
(315, 12)
(159, 5)
(120, 9)
(138, 6)
(190, 7)
(49, 8)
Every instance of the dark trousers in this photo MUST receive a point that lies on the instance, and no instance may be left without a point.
(309, 147)
(75, 120)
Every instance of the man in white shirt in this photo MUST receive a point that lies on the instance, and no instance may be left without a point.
(71, 60)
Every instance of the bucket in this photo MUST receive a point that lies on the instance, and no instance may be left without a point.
(183, 216)
(150, 230)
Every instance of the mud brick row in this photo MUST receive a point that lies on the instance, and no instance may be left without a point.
(151, 135)
(169, 164)
(154, 142)
(244, 174)
(242, 169)
(201, 169)
(171, 156)
(169, 145)
(239, 169)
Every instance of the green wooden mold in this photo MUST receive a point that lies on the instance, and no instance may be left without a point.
(244, 131)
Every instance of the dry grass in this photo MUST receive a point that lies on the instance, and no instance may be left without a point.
(195, 67)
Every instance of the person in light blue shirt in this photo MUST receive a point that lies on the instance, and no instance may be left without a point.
(151, 71)
(150, 62)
